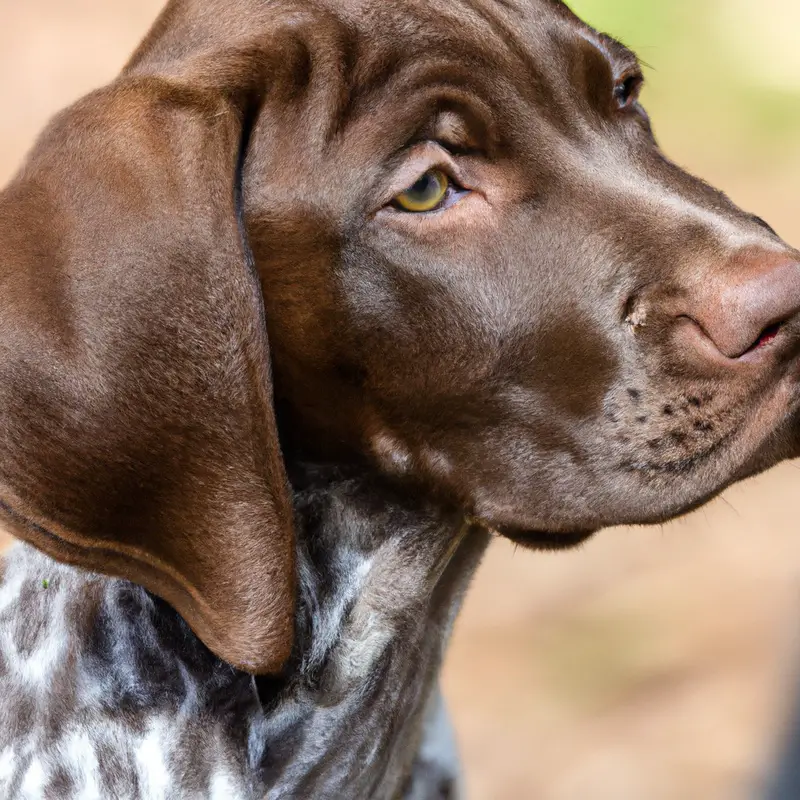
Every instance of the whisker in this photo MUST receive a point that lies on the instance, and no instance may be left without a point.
(731, 506)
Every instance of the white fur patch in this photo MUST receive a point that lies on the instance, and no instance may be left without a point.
(223, 787)
(10, 588)
(84, 765)
(150, 760)
(7, 760)
(34, 781)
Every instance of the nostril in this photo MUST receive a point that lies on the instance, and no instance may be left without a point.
(768, 335)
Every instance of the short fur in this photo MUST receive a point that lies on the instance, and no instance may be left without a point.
(262, 420)
(113, 696)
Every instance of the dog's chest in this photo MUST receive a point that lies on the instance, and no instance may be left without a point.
(112, 759)
(117, 714)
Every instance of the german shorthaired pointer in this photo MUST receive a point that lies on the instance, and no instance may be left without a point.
(310, 301)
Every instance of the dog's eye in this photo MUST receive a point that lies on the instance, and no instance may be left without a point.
(427, 194)
(627, 91)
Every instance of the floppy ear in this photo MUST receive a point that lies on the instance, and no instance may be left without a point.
(137, 435)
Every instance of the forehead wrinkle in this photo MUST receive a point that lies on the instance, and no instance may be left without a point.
(499, 33)
(619, 57)
(533, 38)
(502, 59)
(507, 34)
(505, 67)
(411, 110)
(423, 86)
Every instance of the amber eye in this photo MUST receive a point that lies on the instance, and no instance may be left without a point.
(627, 91)
(426, 194)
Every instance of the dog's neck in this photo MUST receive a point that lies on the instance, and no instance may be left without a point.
(380, 582)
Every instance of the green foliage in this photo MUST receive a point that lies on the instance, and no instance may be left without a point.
(640, 25)
(701, 76)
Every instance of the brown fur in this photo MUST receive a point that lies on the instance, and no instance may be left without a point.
(570, 346)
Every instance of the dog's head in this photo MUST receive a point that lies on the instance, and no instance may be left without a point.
(451, 228)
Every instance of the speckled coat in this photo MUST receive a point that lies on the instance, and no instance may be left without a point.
(107, 693)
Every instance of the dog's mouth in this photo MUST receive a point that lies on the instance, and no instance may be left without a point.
(545, 540)
(537, 539)
(772, 450)
(651, 492)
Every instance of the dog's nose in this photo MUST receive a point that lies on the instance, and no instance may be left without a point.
(745, 305)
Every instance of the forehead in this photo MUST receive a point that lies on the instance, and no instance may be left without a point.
(533, 49)
(521, 59)
(531, 30)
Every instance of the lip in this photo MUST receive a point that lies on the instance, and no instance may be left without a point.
(545, 540)
(755, 446)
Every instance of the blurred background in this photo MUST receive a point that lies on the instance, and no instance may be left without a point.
(653, 664)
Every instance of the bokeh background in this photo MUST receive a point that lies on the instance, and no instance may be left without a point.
(653, 664)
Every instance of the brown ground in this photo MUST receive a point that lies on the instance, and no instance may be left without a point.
(654, 664)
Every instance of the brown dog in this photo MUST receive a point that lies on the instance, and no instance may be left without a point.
(431, 243)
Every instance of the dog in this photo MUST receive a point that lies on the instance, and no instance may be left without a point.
(310, 302)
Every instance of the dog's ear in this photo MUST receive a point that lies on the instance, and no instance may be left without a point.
(137, 432)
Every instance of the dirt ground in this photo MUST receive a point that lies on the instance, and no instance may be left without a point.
(653, 664)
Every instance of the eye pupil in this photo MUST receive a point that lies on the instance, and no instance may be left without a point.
(425, 184)
(426, 194)
(626, 92)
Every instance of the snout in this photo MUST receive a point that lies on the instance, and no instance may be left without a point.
(709, 387)
(744, 310)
